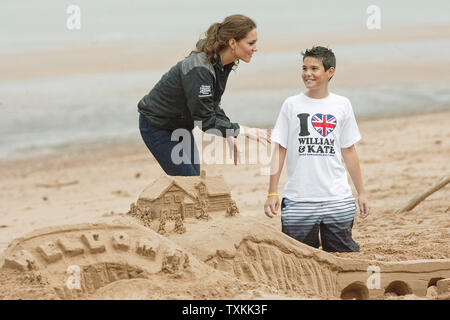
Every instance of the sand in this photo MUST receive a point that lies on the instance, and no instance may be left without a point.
(399, 157)
(77, 191)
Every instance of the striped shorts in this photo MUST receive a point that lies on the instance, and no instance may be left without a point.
(334, 219)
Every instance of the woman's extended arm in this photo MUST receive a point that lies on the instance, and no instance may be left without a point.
(260, 135)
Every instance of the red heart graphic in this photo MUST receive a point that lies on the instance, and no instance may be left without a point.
(323, 123)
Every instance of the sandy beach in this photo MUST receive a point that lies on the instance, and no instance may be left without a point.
(399, 156)
(114, 59)
(72, 163)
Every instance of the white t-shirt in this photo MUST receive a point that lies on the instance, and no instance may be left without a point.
(313, 131)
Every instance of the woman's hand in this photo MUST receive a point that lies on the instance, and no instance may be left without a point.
(271, 206)
(259, 135)
(234, 149)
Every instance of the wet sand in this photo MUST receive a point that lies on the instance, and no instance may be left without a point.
(399, 157)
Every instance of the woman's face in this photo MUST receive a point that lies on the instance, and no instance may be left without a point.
(245, 48)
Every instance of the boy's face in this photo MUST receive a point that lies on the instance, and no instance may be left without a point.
(314, 75)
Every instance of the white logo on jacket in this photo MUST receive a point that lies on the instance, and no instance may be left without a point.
(205, 91)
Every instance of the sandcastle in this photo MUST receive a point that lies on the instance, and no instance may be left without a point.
(283, 263)
(119, 258)
(174, 198)
(79, 259)
(93, 260)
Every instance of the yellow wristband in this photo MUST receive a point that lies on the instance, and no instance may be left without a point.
(272, 194)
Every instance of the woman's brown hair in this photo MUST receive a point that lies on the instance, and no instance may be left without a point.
(236, 27)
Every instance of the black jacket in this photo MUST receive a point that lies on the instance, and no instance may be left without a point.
(190, 91)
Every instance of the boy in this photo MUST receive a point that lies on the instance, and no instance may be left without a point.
(315, 129)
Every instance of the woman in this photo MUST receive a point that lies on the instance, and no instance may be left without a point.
(191, 92)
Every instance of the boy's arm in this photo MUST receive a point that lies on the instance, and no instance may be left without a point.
(273, 203)
(352, 163)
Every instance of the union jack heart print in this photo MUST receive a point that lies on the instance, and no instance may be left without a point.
(323, 123)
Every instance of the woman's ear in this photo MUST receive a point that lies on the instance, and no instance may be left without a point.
(232, 44)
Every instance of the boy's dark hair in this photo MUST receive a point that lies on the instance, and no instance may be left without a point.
(323, 54)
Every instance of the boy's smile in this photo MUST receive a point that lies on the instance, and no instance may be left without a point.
(314, 75)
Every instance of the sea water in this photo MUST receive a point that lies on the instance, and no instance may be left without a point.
(45, 114)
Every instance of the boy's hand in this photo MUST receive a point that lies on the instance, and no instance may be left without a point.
(271, 206)
(363, 206)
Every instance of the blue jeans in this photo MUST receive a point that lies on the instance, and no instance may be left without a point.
(159, 142)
